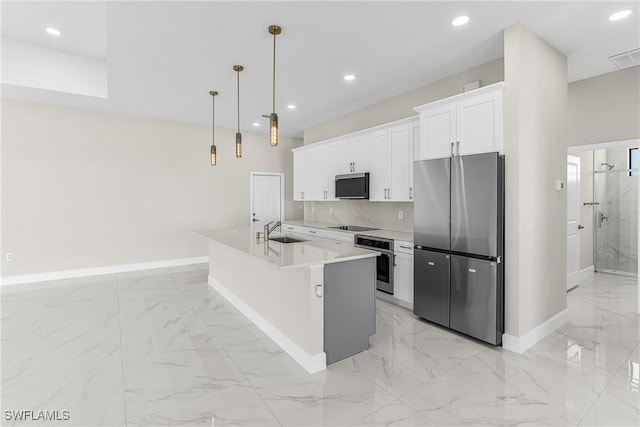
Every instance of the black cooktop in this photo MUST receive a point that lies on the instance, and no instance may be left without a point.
(353, 228)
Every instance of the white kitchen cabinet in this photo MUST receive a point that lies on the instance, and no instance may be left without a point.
(415, 154)
(301, 173)
(379, 165)
(469, 123)
(403, 272)
(391, 163)
(354, 154)
(314, 171)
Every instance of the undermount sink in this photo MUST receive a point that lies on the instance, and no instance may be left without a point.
(286, 239)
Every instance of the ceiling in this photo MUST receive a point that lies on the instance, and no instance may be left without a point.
(164, 57)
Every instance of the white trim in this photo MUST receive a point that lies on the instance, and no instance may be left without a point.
(600, 145)
(526, 341)
(586, 274)
(252, 174)
(312, 363)
(97, 271)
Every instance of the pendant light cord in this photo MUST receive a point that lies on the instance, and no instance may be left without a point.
(273, 110)
(238, 73)
(213, 120)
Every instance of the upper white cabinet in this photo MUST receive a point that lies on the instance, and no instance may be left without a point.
(391, 161)
(386, 152)
(354, 154)
(469, 123)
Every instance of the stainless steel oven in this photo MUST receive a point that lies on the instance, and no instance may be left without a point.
(384, 263)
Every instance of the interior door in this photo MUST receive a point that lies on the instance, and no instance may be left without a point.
(573, 221)
(266, 199)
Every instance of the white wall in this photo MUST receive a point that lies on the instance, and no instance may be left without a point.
(605, 108)
(25, 64)
(535, 152)
(84, 189)
(401, 106)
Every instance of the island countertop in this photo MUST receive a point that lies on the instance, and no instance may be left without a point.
(312, 252)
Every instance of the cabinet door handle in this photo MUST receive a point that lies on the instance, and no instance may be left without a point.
(312, 232)
(394, 260)
(458, 147)
(302, 194)
(410, 193)
(406, 247)
(452, 149)
(389, 193)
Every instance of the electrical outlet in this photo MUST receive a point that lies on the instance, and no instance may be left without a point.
(9, 256)
(400, 214)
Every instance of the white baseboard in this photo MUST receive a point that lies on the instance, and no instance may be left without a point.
(97, 271)
(394, 300)
(526, 341)
(586, 274)
(312, 363)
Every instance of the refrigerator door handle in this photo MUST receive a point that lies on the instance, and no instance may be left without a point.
(452, 149)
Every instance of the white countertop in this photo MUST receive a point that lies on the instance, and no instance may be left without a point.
(385, 234)
(312, 252)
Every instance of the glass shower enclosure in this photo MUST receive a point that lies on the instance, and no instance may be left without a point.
(615, 223)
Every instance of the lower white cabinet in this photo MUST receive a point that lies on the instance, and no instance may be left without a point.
(403, 273)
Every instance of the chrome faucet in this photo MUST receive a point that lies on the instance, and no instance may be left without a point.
(268, 230)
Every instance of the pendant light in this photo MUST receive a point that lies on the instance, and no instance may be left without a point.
(237, 69)
(273, 117)
(213, 94)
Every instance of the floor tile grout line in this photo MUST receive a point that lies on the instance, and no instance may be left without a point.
(124, 393)
(22, 341)
(224, 348)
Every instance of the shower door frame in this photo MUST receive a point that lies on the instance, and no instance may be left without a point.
(576, 149)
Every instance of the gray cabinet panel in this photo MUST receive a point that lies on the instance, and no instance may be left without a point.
(431, 286)
(474, 204)
(431, 214)
(349, 307)
(475, 310)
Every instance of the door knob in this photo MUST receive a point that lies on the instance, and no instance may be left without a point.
(255, 220)
(580, 227)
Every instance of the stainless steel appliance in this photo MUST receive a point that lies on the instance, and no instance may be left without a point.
(352, 228)
(352, 186)
(384, 262)
(458, 238)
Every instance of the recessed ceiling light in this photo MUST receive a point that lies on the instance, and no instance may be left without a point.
(291, 107)
(620, 15)
(53, 31)
(460, 20)
(256, 124)
(349, 77)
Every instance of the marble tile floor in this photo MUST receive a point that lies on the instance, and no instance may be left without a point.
(161, 348)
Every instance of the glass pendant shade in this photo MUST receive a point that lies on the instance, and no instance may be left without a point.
(238, 144)
(273, 129)
(213, 155)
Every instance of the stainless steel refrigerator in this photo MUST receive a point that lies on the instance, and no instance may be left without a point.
(459, 240)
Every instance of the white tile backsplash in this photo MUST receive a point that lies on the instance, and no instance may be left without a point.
(362, 212)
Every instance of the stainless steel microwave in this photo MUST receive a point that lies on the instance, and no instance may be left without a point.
(352, 186)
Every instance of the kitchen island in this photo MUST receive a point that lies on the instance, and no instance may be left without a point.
(314, 298)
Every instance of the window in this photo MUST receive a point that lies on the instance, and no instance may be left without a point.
(633, 161)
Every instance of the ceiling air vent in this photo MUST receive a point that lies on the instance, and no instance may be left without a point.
(626, 59)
